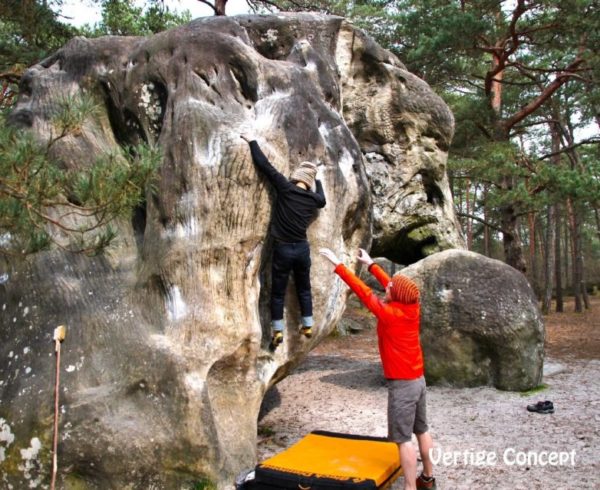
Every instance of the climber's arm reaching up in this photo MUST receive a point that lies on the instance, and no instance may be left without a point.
(262, 162)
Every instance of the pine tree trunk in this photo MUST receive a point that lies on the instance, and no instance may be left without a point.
(575, 231)
(511, 240)
(220, 7)
(581, 259)
(532, 256)
(584, 292)
(469, 211)
(541, 248)
(557, 260)
(576, 211)
(509, 221)
(552, 269)
(549, 259)
(486, 228)
(567, 255)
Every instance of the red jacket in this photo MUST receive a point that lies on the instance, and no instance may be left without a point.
(397, 328)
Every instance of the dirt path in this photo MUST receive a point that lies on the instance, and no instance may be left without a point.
(485, 434)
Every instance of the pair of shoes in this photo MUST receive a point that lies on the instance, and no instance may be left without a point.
(541, 407)
(276, 340)
(306, 331)
(423, 483)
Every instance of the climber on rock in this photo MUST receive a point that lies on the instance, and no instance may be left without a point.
(295, 208)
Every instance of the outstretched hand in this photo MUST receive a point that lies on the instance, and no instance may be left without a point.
(329, 255)
(364, 257)
(247, 137)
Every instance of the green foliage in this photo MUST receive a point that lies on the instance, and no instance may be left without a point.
(204, 484)
(43, 203)
(124, 18)
(435, 39)
(565, 182)
(29, 31)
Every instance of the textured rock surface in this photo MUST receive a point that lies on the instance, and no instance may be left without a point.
(404, 140)
(165, 363)
(402, 127)
(480, 323)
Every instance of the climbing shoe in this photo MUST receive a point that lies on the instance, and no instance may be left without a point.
(423, 482)
(541, 407)
(276, 340)
(306, 331)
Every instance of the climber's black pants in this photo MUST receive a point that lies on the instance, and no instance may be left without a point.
(290, 257)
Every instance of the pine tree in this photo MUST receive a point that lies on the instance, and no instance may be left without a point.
(44, 204)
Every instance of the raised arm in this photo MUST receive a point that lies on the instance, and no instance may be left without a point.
(262, 162)
(373, 268)
(364, 292)
(320, 193)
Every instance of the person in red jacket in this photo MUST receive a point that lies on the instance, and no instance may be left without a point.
(398, 316)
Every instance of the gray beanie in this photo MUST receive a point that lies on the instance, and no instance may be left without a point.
(305, 172)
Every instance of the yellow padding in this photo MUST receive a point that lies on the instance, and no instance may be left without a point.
(338, 458)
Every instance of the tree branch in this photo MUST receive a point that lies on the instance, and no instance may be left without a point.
(535, 123)
(480, 220)
(589, 141)
(559, 81)
(484, 130)
(519, 10)
(206, 2)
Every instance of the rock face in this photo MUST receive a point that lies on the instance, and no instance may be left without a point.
(405, 154)
(480, 322)
(166, 362)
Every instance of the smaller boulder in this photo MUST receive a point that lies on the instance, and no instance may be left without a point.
(480, 322)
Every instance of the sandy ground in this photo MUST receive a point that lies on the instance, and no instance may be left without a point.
(484, 434)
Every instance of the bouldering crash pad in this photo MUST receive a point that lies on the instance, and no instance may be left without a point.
(329, 460)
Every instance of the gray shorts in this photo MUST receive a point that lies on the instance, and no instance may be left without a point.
(406, 409)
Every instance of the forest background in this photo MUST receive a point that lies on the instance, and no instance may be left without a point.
(521, 77)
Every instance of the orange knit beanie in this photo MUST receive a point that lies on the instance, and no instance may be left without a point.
(404, 290)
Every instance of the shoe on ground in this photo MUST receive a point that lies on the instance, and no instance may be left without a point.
(276, 340)
(422, 483)
(306, 331)
(541, 407)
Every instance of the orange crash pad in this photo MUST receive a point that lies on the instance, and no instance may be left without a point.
(329, 460)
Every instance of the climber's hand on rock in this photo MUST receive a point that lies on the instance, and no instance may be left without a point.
(320, 172)
(364, 257)
(329, 255)
(247, 137)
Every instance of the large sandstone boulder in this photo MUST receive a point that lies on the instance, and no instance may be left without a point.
(405, 155)
(480, 322)
(166, 362)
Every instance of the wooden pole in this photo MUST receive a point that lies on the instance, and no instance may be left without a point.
(59, 335)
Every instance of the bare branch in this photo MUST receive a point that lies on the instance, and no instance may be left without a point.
(211, 5)
(546, 93)
(519, 10)
(535, 123)
(589, 141)
(480, 220)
